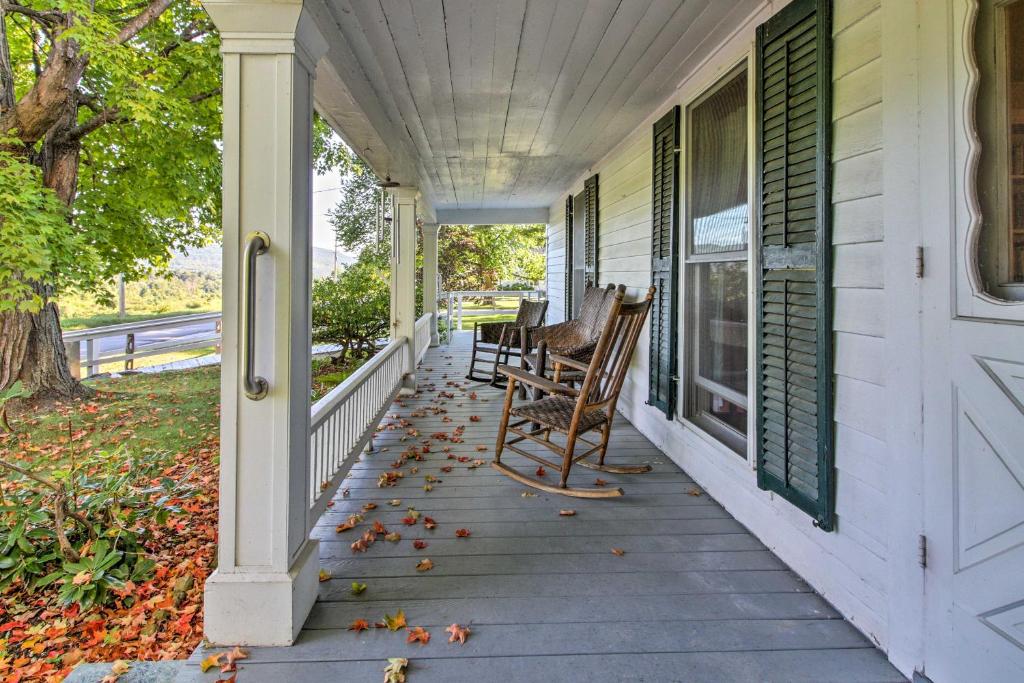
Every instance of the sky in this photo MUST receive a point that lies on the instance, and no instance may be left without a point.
(325, 196)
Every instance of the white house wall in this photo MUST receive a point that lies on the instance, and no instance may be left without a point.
(847, 566)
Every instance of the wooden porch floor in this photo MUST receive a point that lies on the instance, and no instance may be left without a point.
(694, 598)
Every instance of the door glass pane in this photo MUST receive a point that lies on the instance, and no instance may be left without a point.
(722, 324)
(718, 170)
(999, 113)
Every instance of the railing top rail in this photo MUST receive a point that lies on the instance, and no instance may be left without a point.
(141, 326)
(322, 408)
(492, 292)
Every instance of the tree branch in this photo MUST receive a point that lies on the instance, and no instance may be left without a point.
(49, 18)
(195, 99)
(109, 115)
(143, 19)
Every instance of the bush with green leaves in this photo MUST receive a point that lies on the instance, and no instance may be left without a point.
(86, 526)
(352, 307)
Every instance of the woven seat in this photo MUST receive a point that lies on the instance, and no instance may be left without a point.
(571, 411)
(557, 411)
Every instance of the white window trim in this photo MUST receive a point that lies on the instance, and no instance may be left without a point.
(684, 398)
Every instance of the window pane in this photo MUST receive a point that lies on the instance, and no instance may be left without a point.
(713, 406)
(718, 170)
(721, 289)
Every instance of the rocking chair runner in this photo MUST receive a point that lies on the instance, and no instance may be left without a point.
(504, 339)
(574, 412)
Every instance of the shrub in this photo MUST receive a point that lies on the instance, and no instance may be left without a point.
(352, 307)
(86, 526)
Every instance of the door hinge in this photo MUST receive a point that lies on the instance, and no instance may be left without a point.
(919, 263)
(922, 551)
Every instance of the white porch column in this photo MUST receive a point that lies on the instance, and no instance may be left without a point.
(403, 276)
(266, 577)
(430, 231)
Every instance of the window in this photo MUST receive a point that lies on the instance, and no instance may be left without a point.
(999, 50)
(717, 241)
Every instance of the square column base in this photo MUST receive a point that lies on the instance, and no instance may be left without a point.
(261, 608)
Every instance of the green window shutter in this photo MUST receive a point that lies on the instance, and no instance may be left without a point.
(664, 263)
(568, 257)
(590, 231)
(794, 284)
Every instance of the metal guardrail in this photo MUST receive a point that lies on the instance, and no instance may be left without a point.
(93, 359)
(455, 301)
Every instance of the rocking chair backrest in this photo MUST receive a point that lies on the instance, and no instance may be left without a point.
(531, 313)
(594, 309)
(610, 363)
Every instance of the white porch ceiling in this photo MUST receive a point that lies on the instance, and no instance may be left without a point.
(502, 104)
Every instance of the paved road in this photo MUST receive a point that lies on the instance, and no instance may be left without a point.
(183, 334)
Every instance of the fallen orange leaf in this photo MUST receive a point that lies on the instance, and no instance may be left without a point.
(359, 625)
(418, 634)
(618, 551)
(567, 513)
(459, 633)
(424, 565)
(462, 533)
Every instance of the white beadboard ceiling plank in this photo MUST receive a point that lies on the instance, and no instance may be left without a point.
(538, 22)
(594, 22)
(632, 27)
(622, 87)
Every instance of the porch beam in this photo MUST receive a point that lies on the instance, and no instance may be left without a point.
(403, 277)
(513, 216)
(430, 277)
(266, 577)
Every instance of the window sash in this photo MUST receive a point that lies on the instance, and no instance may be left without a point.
(694, 382)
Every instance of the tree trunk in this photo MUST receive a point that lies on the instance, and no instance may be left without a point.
(31, 350)
(31, 344)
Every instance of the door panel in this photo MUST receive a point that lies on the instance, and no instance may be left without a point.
(973, 374)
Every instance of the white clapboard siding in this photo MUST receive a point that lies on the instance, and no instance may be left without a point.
(848, 565)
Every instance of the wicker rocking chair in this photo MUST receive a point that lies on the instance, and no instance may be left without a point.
(503, 339)
(575, 339)
(574, 412)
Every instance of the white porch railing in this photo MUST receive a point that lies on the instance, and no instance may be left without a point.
(182, 332)
(343, 422)
(422, 335)
(455, 300)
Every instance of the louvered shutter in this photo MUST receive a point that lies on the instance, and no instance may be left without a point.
(590, 231)
(664, 263)
(568, 257)
(794, 291)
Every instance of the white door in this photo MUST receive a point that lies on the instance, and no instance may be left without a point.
(973, 374)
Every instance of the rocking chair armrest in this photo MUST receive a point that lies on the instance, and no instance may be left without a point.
(525, 377)
(558, 359)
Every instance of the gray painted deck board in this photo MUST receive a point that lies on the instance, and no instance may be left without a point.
(695, 597)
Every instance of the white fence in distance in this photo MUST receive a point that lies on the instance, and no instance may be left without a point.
(456, 299)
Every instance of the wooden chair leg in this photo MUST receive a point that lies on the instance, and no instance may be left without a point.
(570, 446)
(505, 415)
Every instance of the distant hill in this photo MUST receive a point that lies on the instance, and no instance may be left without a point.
(207, 260)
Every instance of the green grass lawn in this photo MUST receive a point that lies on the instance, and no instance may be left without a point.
(170, 412)
(468, 320)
